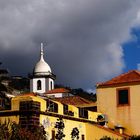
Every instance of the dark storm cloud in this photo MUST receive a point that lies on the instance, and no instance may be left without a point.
(83, 37)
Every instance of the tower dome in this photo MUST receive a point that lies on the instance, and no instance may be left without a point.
(41, 67)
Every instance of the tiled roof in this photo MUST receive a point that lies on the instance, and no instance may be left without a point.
(74, 100)
(112, 131)
(28, 94)
(57, 90)
(129, 77)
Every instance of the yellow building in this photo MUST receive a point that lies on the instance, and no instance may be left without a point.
(119, 99)
(31, 109)
(77, 116)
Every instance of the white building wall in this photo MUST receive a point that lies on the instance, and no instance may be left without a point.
(31, 85)
(46, 84)
(49, 84)
(56, 95)
(43, 85)
(59, 95)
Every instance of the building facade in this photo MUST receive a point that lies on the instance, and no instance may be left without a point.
(39, 108)
(30, 110)
(119, 99)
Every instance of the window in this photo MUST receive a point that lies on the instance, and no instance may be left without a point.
(83, 113)
(123, 97)
(52, 106)
(65, 109)
(39, 85)
(51, 83)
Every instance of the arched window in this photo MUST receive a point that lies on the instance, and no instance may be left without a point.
(39, 85)
(51, 85)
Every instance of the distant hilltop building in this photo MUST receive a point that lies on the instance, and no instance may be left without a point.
(4, 76)
(4, 73)
(12, 85)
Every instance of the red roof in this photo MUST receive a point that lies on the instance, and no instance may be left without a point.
(112, 131)
(28, 94)
(129, 77)
(58, 90)
(74, 100)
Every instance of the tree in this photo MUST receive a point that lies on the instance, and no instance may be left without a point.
(135, 137)
(13, 131)
(75, 133)
(60, 126)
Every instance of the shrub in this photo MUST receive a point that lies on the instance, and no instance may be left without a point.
(135, 137)
(13, 131)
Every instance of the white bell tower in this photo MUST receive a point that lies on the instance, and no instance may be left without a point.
(42, 78)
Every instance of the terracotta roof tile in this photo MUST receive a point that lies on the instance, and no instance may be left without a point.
(129, 77)
(58, 90)
(112, 131)
(73, 100)
(28, 94)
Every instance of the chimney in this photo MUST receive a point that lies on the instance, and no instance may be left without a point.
(119, 128)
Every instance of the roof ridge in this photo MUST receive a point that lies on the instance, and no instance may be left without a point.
(73, 100)
(58, 90)
(119, 79)
(85, 100)
(114, 78)
(112, 131)
(125, 73)
(137, 71)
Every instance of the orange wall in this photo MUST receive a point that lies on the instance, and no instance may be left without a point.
(127, 116)
(95, 133)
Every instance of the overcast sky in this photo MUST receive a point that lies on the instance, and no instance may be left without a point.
(83, 37)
